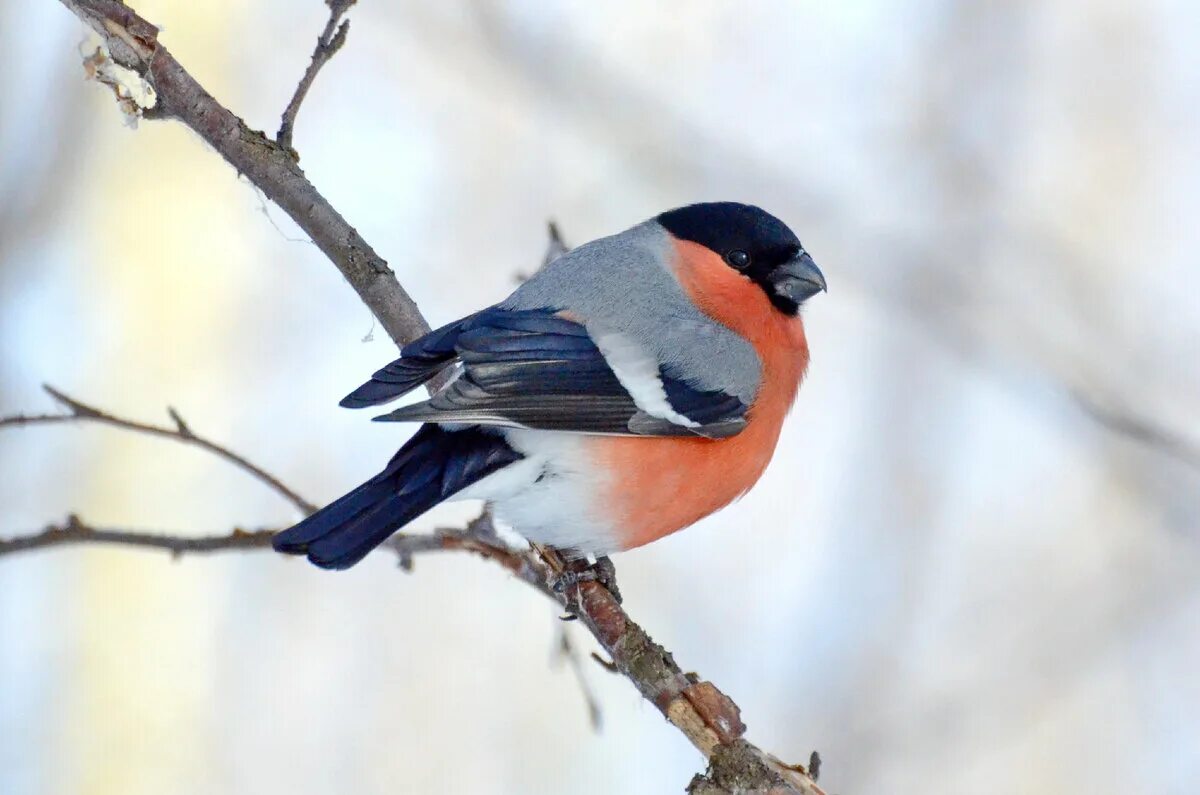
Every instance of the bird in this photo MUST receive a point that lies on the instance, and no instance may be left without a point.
(629, 388)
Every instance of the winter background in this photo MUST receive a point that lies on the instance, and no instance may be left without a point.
(954, 578)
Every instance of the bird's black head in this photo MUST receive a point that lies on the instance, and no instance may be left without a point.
(755, 243)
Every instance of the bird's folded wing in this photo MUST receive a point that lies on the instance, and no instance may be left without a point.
(534, 369)
(420, 360)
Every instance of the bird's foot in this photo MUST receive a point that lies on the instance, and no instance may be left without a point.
(577, 571)
(606, 575)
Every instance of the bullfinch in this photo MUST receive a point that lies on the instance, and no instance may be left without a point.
(631, 387)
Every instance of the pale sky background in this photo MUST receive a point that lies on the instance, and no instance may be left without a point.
(951, 579)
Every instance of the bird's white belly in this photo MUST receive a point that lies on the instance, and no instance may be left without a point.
(552, 495)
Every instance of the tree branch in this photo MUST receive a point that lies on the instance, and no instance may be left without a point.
(707, 717)
(181, 432)
(555, 245)
(328, 43)
(76, 531)
(133, 43)
(1140, 429)
(570, 655)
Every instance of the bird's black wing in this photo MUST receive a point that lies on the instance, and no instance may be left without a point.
(420, 360)
(534, 369)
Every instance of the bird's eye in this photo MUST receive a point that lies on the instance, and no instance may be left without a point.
(738, 259)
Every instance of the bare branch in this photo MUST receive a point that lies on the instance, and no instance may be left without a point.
(133, 43)
(607, 665)
(705, 715)
(522, 565)
(328, 43)
(1141, 429)
(555, 246)
(75, 531)
(567, 651)
(82, 412)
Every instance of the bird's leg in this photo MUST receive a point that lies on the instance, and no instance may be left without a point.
(579, 570)
(556, 572)
(606, 575)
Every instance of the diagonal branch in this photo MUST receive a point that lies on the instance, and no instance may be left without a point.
(707, 717)
(567, 653)
(133, 43)
(555, 245)
(1141, 429)
(181, 432)
(328, 43)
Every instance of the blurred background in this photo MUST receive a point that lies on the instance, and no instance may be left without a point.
(959, 575)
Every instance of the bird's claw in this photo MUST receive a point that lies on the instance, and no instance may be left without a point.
(606, 575)
(602, 572)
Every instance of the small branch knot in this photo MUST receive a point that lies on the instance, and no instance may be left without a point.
(180, 425)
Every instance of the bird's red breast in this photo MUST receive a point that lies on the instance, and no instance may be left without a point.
(659, 485)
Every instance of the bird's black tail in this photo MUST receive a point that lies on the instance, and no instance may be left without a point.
(433, 465)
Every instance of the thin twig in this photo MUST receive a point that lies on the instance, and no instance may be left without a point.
(566, 651)
(328, 43)
(181, 432)
(524, 566)
(76, 531)
(1141, 429)
(555, 248)
(607, 665)
(555, 245)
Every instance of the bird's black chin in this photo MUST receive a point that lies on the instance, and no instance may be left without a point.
(793, 282)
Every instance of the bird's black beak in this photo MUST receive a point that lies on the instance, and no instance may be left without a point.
(798, 279)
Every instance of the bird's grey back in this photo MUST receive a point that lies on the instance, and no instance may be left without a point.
(624, 284)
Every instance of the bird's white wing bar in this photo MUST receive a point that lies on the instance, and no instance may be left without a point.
(638, 372)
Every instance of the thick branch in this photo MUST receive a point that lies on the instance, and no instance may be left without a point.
(705, 715)
(133, 43)
(181, 432)
(328, 43)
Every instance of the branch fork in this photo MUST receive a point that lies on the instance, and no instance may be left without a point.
(328, 43)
